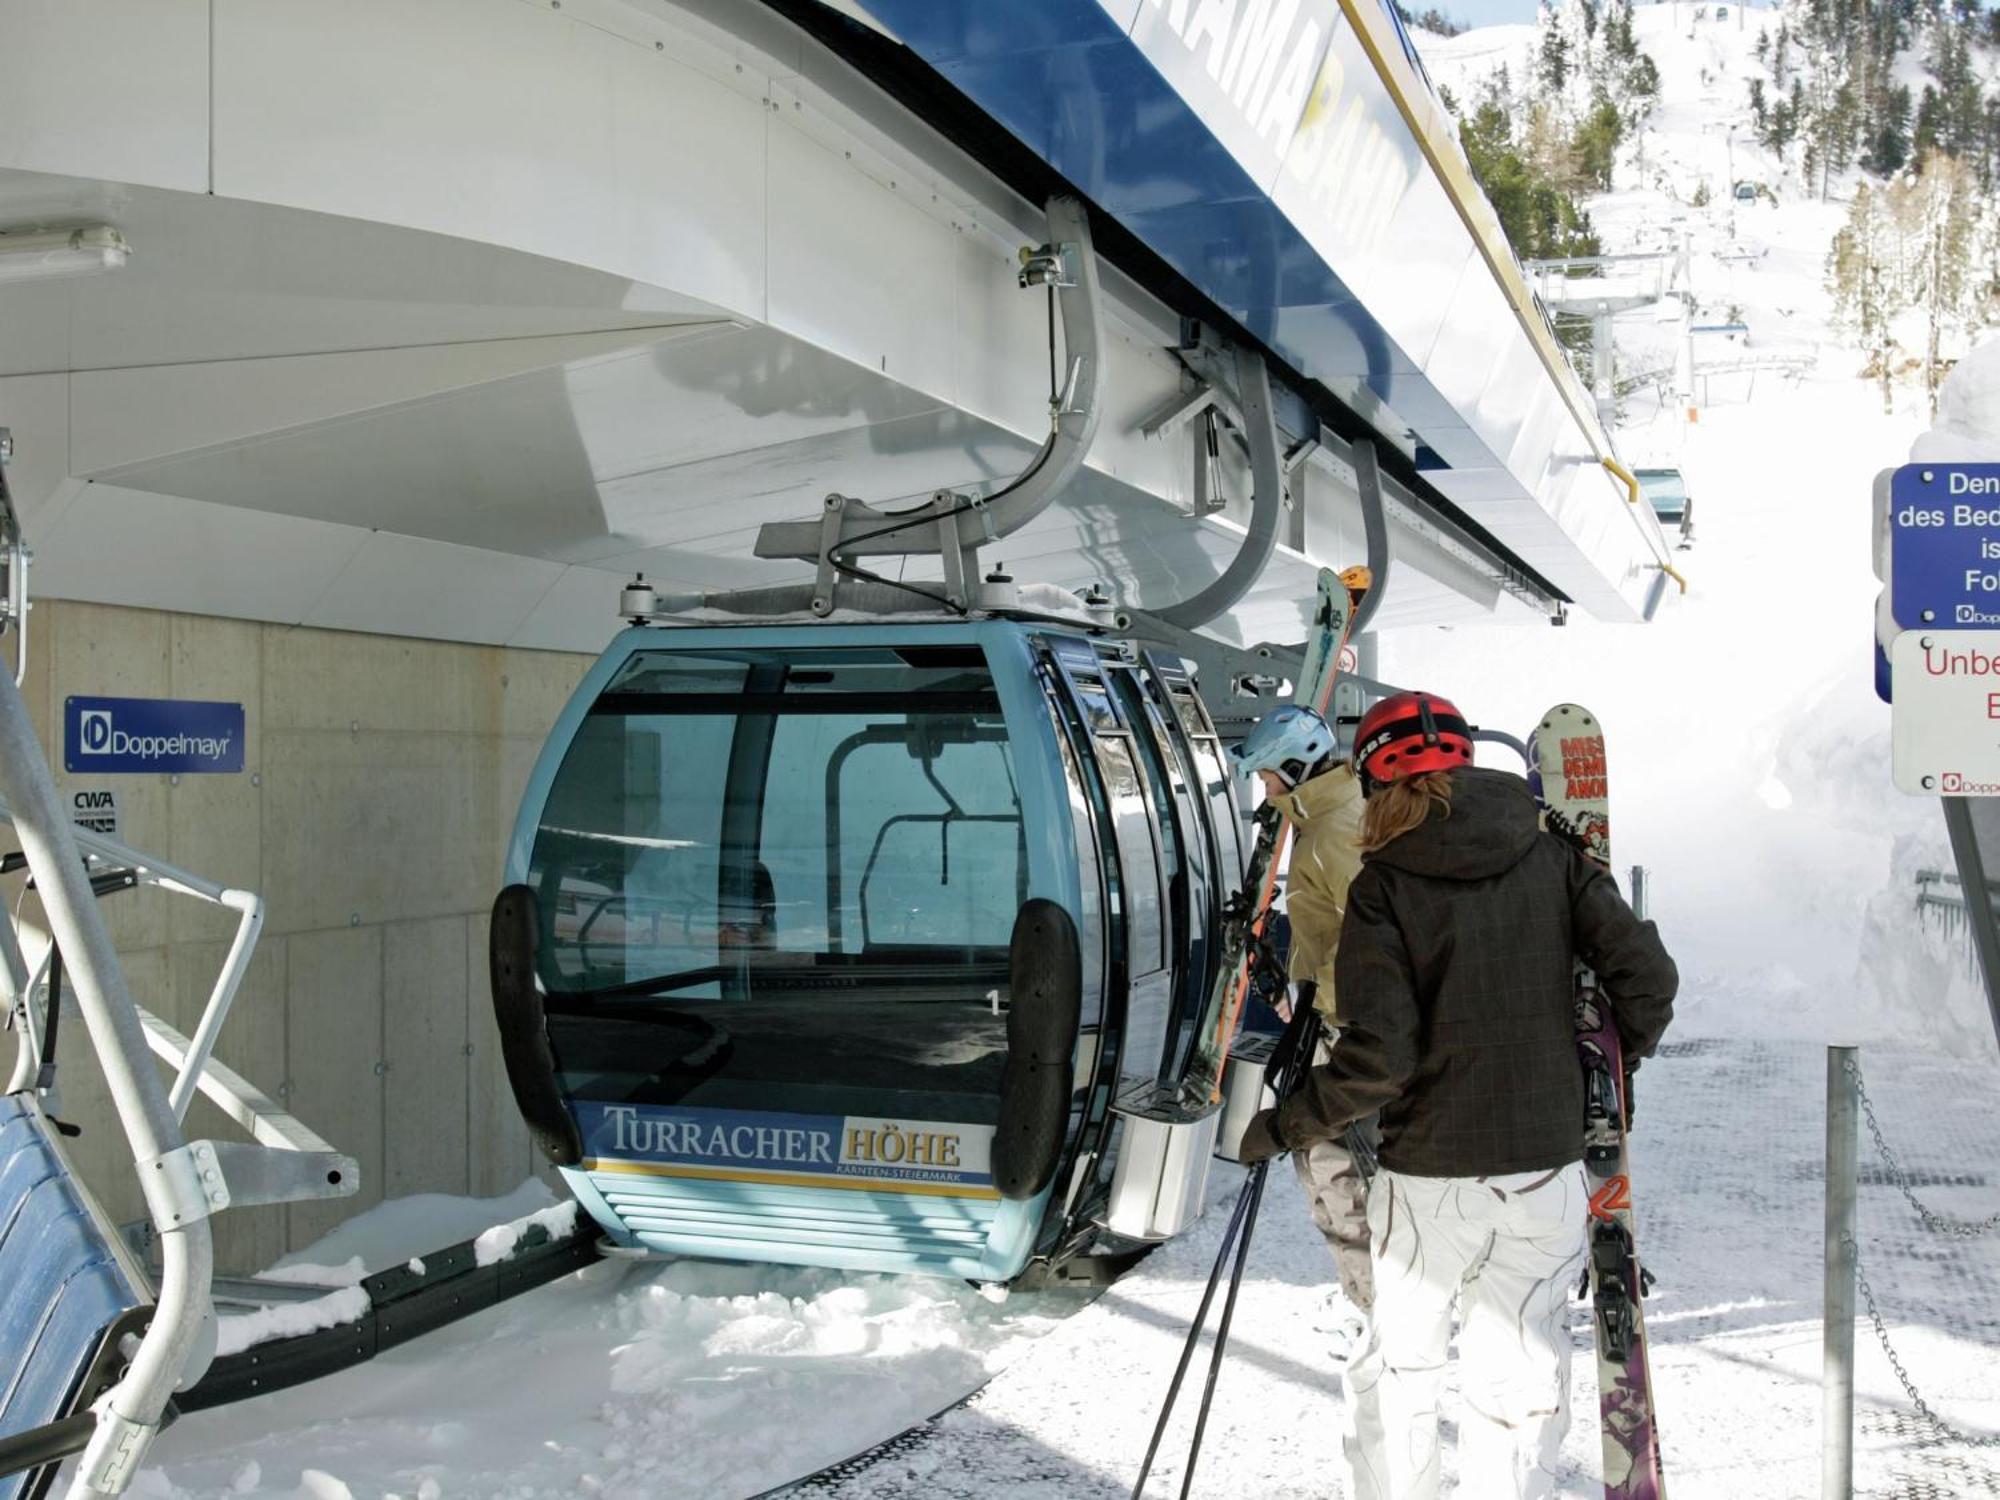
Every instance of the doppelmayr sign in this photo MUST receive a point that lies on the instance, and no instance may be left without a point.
(151, 734)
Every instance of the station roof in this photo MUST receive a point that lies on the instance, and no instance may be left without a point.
(442, 320)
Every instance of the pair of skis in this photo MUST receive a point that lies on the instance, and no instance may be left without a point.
(1567, 771)
(1246, 919)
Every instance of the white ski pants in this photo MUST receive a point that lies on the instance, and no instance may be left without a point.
(1510, 1249)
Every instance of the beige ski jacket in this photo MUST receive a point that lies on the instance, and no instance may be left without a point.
(1325, 814)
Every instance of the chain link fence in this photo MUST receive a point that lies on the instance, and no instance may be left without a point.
(1936, 1428)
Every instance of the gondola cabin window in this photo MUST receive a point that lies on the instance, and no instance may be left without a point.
(785, 878)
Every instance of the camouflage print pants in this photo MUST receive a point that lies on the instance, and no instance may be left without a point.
(1338, 1196)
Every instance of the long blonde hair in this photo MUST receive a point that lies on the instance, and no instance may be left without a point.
(1395, 809)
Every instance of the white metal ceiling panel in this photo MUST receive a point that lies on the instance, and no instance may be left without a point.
(128, 79)
(165, 552)
(135, 417)
(403, 585)
(512, 124)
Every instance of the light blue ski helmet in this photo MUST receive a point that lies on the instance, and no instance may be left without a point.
(1287, 741)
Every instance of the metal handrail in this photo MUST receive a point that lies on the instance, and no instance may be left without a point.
(249, 909)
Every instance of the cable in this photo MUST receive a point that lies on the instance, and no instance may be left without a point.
(923, 515)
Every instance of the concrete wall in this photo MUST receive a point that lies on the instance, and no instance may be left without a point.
(381, 778)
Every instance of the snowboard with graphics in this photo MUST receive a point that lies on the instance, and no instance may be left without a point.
(1567, 772)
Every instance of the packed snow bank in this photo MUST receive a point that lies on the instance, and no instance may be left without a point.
(289, 1319)
(402, 1229)
(379, 1233)
(1967, 429)
(499, 1242)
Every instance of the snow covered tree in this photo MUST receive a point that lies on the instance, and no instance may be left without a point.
(1642, 78)
(1757, 113)
(1865, 275)
(1935, 215)
(1619, 43)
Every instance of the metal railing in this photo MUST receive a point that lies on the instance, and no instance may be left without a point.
(184, 1183)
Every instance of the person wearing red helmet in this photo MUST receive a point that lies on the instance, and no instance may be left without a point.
(1456, 977)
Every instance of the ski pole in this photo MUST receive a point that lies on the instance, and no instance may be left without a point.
(1255, 1188)
(1229, 1235)
(1294, 1054)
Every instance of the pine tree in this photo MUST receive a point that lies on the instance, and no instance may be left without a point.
(1757, 106)
(1526, 181)
(1596, 141)
(1553, 64)
(1642, 79)
(1928, 135)
(1887, 149)
(1619, 43)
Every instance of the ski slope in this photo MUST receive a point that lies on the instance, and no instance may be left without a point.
(1749, 754)
(1750, 767)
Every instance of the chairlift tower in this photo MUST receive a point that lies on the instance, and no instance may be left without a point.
(1600, 288)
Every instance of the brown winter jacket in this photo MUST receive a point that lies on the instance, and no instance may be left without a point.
(1457, 988)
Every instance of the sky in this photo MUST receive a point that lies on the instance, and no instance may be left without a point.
(1482, 12)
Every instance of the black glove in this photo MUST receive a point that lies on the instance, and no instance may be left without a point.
(1260, 1139)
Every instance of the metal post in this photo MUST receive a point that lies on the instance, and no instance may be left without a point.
(1641, 892)
(1979, 913)
(1837, 1317)
(130, 1416)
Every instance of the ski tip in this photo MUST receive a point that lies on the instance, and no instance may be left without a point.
(1357, 578)
(1568, 716)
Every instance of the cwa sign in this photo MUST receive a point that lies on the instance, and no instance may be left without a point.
(1945, 731)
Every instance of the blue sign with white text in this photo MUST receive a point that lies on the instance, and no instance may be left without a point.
(1944, 546)
(151, 734)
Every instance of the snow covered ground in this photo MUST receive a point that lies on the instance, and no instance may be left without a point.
(1750, 762)
(630, 1379)
(709, 1382)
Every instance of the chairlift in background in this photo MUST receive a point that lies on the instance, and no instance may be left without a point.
(1666, 491)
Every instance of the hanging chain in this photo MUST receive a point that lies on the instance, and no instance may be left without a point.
(1936, 1423)
(1937, 1223)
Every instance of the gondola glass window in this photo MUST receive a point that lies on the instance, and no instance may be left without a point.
(785, 880)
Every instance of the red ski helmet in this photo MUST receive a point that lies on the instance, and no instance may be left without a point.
(1409, 734)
